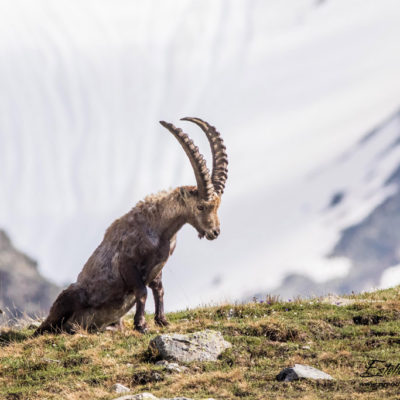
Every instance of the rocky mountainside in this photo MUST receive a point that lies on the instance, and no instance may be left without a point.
(22, 288)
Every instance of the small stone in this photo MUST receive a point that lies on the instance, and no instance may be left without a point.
(118, 388)
(141, 396)
(34, 325)
(157, 377)
(205, 345)
(50, 360)
(149, 396)
(171, 367)
(306, 347)
(300, 371)
(162, 363)
(174, 367)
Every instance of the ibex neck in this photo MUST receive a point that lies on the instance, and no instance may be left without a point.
(172, 227)
(172, 216)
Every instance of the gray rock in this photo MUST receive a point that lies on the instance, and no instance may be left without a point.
(300, 371)
(174, 367)
(162, 363)
(141, 396)
(118, 388)
(171, 367)
(34, 324)
(198, 346)
(149, 396)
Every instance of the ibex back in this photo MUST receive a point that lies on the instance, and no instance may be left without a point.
(136, 247)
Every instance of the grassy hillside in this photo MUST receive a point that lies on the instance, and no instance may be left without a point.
(266, 337)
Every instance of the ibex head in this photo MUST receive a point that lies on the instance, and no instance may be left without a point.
(202, 202)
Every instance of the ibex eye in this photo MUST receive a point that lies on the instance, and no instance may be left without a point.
(201, 208)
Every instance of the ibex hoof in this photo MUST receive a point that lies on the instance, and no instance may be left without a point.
(141, 329)
(161, 321)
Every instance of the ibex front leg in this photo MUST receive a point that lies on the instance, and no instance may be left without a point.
(158, 293)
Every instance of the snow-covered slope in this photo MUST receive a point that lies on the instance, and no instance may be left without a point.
(360, 218)
(293, 86)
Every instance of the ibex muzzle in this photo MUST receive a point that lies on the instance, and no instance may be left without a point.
(136, 246)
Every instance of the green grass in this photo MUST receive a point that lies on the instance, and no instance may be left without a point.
(266, 337)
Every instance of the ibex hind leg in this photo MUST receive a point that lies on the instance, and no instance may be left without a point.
(66, 304)
(134, 283)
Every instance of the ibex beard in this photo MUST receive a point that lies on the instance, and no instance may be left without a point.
(136, 247)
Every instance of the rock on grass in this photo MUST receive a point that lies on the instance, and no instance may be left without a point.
(118, 388)
(300, 371)
(149, 396)
(205, 345)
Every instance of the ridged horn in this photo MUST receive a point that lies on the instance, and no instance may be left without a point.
(201, 172)
(220, 157)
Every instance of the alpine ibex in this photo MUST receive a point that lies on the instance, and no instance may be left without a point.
(136, 246)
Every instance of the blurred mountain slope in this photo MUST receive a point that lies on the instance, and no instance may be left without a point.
(22, 288)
